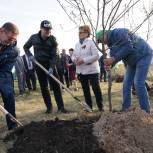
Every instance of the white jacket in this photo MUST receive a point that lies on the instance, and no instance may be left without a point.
(90, 54)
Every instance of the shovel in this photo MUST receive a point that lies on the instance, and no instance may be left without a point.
(85, 106)
(11, 117)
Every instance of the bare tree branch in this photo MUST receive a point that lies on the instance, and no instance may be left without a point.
(67, 12)
(124, 12)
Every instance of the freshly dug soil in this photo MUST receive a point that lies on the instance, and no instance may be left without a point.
(125, 132)
(59, 136)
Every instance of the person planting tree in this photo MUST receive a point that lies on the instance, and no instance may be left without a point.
(136, 54)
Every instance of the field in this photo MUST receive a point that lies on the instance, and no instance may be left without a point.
(31, 109)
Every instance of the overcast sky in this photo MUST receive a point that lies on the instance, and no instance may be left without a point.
(28, 14)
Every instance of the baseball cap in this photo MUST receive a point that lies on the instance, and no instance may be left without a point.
(100, 34)
(46, 24)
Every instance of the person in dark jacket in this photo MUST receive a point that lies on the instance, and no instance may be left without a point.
(20, 73)
(65, 60)
(72, 70)
(45, 52)
(30, 73)
(60, 68)
(8, 54)
(103, 73)
(136, 54)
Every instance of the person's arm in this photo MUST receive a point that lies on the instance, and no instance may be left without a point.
(123, 44)
(8, 56)
(27, 47)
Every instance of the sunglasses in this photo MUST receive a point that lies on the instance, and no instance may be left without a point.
(82, 32)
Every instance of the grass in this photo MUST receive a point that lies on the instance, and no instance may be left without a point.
(30, 106)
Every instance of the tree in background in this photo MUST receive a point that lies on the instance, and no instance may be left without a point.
(107, 14)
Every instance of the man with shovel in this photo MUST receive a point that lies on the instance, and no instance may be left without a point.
(8, 54)
(45, 52)
(136, 54)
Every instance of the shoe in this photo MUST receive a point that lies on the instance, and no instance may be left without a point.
(87, 110)
(48, 111)
(13, 127)
(62, 111)
(101, 109)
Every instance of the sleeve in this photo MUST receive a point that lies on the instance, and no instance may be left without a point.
(94, 54)
(9, 56)
(123, 44)
(27, 47)
(53, 55)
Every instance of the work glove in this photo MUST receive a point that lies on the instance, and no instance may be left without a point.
(50, 71)
(31, 58)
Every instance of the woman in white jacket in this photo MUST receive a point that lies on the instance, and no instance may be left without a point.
(86, 58)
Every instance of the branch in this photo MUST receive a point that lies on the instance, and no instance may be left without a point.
(124, 12)
(78, 6)
(117, 8)
(89, 19)
(67, 13)
(138, 27)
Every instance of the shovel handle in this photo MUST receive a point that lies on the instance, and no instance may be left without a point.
(61, 84)
(12, 117)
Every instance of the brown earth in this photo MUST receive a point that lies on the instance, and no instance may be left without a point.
(59, 136)
(125, 132)
(119, 132)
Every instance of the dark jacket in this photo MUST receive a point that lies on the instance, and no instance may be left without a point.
(44, 50)
(65, 60)
(19, 65)
(7, 61)
(101, 62)
(127, 47)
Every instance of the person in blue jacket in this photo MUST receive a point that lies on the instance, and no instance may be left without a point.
(136, 54)
(8, 54)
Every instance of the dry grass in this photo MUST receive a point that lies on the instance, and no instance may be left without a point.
(30, 107)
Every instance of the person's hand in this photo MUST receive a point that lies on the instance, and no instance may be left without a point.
(31, 58)
(79, 61)
(50, 71)
(68, 65)
(109, 61)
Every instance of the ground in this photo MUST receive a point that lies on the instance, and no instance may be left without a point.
(125, 132)
(59, 136)
(56, 133)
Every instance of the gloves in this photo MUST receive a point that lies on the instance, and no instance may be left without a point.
(31, 58)
(50, 71)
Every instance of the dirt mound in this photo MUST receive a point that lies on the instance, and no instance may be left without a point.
(128, 132)
(57, 136)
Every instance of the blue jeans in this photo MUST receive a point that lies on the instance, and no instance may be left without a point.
(138, 75)
(7, 92)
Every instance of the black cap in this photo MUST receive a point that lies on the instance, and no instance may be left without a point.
(46, 24)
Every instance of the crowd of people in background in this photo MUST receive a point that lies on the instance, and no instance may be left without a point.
(83, 64)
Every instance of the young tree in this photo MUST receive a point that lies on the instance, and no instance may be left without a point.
(108, 14)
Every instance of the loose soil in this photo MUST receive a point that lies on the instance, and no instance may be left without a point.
(125, 132)
(58, 136)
